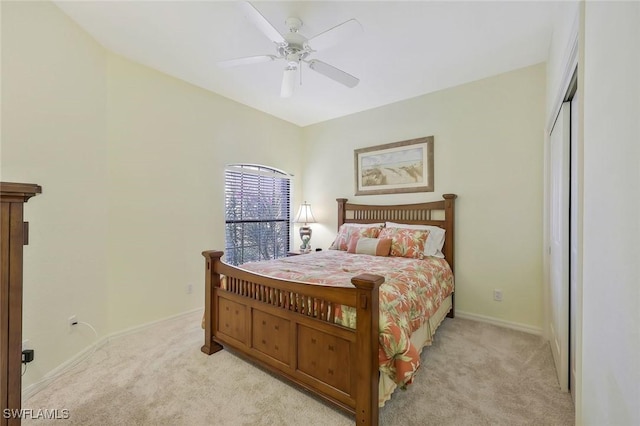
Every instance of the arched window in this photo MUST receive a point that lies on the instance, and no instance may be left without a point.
(257, 213)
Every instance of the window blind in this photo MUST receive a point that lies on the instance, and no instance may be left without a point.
(257, 213)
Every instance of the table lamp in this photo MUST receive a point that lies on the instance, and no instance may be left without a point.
(305, 216)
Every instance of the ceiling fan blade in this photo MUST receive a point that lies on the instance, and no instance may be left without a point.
(335, 35)
(246, 61)
(333, 73)
(261, 23)
(288, 82)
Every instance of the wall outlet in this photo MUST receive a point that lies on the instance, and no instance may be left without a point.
(497, 295)
(188, 288)
(26, 344)
(73, 320)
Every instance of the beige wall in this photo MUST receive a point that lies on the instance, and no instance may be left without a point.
(168, 145)
(54, 134)
(488, 150)
(131, 163)
(610, 367)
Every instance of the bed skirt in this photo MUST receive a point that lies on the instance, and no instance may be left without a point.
(421, 338)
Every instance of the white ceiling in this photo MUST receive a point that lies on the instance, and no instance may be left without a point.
(406, 49)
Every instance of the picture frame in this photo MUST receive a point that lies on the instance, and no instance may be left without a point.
(394, 168)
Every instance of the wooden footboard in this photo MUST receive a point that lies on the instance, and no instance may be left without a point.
(289, 328)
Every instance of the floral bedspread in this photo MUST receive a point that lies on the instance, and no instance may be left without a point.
(413, 290)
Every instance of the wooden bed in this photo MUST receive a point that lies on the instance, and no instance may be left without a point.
(288, 327)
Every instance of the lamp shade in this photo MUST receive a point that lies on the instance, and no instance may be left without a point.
(304, 214)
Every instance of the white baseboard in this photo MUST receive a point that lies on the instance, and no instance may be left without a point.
(144, 326)
(500, 323)
(88, 351)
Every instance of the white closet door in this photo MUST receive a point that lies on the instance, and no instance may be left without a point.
(573, 250)
(559, 256)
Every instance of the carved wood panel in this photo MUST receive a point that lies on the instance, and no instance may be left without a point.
(232, 319)
(271, 335)
(324, 356)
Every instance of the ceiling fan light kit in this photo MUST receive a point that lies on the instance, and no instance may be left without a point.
(288, 81)
(295, 48)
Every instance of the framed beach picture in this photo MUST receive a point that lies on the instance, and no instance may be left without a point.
(394, 168)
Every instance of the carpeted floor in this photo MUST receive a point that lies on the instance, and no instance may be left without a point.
(474, 374)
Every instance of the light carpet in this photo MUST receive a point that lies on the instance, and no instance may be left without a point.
(473, 374)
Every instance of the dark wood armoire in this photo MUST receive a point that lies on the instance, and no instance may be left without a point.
(14, 233)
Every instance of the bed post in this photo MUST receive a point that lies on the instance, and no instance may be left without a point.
(449, 220)
(367, 319)
(342, 203)
(212, 279)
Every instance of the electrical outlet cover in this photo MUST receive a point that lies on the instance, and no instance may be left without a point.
(497, 295)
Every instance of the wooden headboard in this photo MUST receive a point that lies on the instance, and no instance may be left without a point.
(435, 213)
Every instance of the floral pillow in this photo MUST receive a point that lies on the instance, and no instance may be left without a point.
(406, 242)
(435, 240)
(347, 231)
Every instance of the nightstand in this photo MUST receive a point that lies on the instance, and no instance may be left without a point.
(296, 252)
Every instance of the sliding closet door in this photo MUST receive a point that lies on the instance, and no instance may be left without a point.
(559, 249)
(573, 250)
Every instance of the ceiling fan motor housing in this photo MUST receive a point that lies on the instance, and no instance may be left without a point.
(295, 48)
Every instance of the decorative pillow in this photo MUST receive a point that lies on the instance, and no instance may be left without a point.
(346, 231)
(371, 246)
(406, 242)
(435, 241)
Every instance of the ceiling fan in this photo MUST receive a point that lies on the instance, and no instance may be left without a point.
(295, 48)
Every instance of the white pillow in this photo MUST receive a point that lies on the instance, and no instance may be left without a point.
(435, 240)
